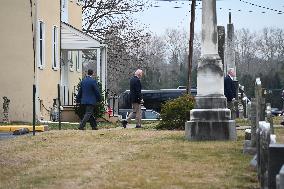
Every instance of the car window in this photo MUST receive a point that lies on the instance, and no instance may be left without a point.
(150, 115)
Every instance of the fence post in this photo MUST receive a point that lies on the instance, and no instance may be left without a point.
(113, 104)
(59, 107)
(34, 109)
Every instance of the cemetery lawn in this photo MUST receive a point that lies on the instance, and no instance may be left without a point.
(120, 159)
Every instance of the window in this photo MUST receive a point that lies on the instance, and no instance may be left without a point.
(64, 11)
(78, 60)
(55, 48)
(41, 45)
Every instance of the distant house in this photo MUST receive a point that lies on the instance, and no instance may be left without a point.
(42, 43)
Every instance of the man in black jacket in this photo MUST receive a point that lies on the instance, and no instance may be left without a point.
(229, 88)
(136, 99)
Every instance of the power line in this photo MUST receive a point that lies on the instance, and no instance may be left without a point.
(221, 8)
(261, 6)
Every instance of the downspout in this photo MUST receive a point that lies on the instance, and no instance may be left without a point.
(34, 37)
(34, 4)
(60, 18)
(60, 71)
(36, 55)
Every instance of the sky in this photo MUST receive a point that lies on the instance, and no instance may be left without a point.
(245, 14)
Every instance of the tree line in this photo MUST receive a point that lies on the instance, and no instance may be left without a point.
(164, 58)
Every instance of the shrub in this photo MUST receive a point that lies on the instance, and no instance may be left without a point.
(99, 108)
(176, 112)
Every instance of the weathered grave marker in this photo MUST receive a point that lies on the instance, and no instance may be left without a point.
(210, 120)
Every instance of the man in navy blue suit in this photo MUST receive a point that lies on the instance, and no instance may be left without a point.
(88, 96)
(229, 88)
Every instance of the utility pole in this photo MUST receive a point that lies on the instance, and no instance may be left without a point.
(193, 4)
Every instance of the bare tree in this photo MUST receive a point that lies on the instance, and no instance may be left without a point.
(125, 56)
(245, 49)
(101, 17)
(280, 44)
(267, 45)
(111, 22)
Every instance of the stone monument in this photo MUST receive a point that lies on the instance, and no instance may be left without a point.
(210, 119)
(221, 42)
(263, 135)
(230, 48)
(275, 162)
(6, 110)
(280, 179)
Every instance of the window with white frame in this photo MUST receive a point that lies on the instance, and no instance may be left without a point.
(64, 11)
(79, 66)
(55, 52)
(77, 60)
(41, 45)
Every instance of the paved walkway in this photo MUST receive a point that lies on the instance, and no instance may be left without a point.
(6, 135)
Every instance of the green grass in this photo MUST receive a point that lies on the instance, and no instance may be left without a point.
(123, 158)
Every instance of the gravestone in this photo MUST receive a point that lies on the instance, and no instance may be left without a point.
(230, 48)
(210, 119)
(280, 179)
(275, 162)
(260, 100)
(269, 117)
(234, 109)
(263, 153)
(248, 110)
(250, 134)
(6, 103)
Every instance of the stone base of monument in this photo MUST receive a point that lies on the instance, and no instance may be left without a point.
(210, 130)
(210, 124)
(210, 120)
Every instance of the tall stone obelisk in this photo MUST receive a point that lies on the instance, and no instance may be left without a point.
(210, 119)
(230, 62)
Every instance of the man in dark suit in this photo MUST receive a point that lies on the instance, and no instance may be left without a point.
(229, 88)
(136, 99)
(88, 96)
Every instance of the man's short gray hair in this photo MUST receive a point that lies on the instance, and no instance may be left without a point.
(138, 72)
(230, 70)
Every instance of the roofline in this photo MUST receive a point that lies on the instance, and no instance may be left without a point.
(102, 44)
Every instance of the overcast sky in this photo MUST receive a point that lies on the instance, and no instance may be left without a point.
(251, 14)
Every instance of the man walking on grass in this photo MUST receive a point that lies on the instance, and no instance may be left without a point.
(88, 96)
(136, 99)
